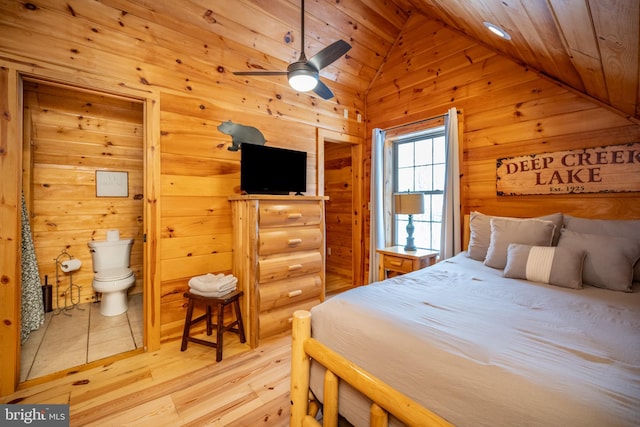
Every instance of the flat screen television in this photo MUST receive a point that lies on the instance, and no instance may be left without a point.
(272, 170)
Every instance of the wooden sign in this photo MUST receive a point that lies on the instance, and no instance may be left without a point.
(615, 168)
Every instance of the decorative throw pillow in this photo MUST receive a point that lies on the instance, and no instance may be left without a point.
(627, 228)
(480, 232)
(535, 232)
(609, 261)
(546, 264)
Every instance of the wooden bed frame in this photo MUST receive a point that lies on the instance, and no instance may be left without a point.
(386, 399)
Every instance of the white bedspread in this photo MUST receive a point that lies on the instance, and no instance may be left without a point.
(479, 349)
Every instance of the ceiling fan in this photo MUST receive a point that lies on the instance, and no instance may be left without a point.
(303, 75)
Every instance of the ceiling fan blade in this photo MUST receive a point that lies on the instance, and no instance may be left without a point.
(260, 73)
(329, 54)
(323, 90)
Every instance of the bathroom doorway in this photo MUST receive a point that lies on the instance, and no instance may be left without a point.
(70, 134)
(339, 177)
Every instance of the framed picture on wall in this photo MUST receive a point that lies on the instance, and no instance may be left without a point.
(112, 184)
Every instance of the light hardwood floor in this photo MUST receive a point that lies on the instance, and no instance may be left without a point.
(337, 283)
(249, 387)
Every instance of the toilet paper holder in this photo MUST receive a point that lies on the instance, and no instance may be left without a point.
(67, 264)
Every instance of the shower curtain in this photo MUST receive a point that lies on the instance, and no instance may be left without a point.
(32, 310)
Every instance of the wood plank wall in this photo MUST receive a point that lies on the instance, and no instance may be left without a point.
(121, 44)
(71, 134)
(507, 110)
(198, 174)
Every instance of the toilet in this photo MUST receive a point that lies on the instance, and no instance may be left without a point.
(113, 277)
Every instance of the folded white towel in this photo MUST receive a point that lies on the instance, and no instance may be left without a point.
(210, 294)
(213, 283)
(222, 290)
(206, 279)
(213, 287)
(209, 278)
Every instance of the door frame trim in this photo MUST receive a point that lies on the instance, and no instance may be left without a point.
(15, 69)
(357, 221)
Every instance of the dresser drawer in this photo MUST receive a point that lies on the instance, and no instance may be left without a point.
(293, 239)
(401, 265)
(287, 214)
(279, 267)
(284, 292)
(279, 320)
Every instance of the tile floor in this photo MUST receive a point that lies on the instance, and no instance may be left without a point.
(85, 336)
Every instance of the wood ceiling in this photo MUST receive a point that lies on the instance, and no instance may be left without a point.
(591, 46)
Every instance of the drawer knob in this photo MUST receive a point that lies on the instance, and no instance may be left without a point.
(294, 215)
(295, 267)
(396, 263)
(293, 242)
(294, 293)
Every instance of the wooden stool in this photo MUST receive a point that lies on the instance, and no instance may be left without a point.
(220, 303)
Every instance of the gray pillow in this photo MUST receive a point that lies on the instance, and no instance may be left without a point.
(629, 229)
(609, 260)
(479, 235)
(480, 232)
(533, 231)
(546, 264)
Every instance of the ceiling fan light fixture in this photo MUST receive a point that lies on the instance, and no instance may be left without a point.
(304, 74)
(303, 80)
(497, 30)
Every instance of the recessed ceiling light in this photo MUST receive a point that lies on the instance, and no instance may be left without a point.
(497, 30)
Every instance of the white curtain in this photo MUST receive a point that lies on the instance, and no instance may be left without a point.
(377, 231)
(451, 243)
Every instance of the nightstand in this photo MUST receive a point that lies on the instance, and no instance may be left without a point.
(395, 260)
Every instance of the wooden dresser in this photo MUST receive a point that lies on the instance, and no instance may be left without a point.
(278, 258)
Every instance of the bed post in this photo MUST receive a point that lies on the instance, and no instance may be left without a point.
(300, 364)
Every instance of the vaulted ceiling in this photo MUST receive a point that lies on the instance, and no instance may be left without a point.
(590, 46)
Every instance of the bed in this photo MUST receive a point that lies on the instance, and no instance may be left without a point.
(478, 348)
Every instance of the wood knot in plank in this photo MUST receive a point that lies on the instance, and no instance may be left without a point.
(208, 16)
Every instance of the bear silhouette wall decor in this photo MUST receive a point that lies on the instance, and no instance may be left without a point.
(241, 134)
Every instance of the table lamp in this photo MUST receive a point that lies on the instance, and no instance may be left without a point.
(409, 204)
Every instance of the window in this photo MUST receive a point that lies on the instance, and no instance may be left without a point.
(419, 165)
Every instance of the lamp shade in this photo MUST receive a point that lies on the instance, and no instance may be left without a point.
(409, 203)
